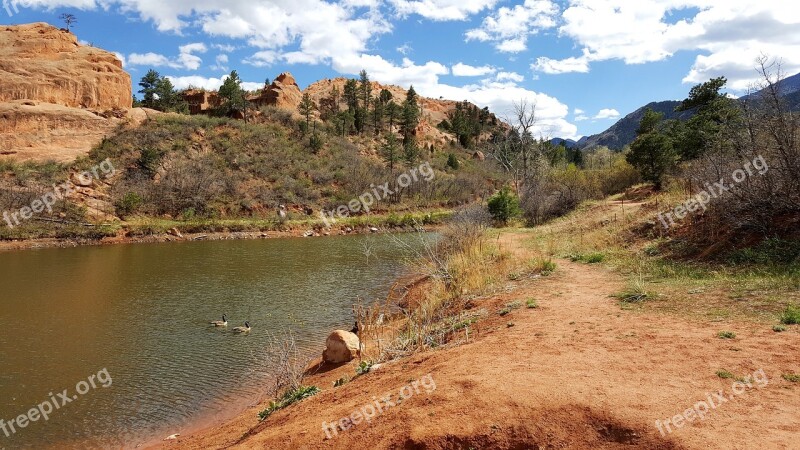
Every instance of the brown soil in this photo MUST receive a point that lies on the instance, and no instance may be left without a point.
(577, 372)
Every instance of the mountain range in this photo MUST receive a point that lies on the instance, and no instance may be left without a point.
(623, 132)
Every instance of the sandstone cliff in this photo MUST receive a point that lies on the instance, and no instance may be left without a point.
(58, 99)
(40, 62)
(283, 93)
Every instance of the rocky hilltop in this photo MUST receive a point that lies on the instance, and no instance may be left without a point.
(433, 110)
(58, 98)
(43, 63)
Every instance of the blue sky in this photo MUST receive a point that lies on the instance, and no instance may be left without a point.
(584, 63)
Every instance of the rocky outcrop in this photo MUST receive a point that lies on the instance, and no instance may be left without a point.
(42, 63)
(340, 347)
(58, 99)
(434, 111)
(283, 93)
(43, 131)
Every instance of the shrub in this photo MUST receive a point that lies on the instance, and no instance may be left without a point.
(791, 377)
(128, 204)
(289, 398)
(726, 335)
(724, 374)
(531, 303)
(504, 206)
(452, 162)
(791, 316)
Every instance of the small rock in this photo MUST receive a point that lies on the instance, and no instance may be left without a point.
(172, 437)
(373, 229)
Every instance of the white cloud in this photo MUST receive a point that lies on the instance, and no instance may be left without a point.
(578, 111)
(185, 59)
(221, 63)
(464, 70)
(607, 114)
(509, 28)
(730, 35)
(554, 67)
(264, 58)
(148, 59)
(227, 48)
(197, 47)
(210, 84)
(405, 49)
(442, 10)
(510, 76)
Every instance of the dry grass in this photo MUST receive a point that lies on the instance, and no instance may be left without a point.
(661, 278)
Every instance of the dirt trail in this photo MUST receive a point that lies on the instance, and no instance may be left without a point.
(578, 372)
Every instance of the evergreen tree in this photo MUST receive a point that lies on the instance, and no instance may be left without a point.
(233, 95)
(307, 108)
(652, 153)
(149, 85)
(410, 118)
(390, 150)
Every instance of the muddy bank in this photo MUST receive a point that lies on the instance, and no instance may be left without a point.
(176, 236)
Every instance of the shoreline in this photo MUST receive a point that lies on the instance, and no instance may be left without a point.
(176, 237)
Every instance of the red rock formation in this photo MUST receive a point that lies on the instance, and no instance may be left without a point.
(42, 63)
(283, 93)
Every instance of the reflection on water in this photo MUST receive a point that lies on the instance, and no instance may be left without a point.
(142, 313)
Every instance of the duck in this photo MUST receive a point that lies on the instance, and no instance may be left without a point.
(220, 323)
(244, 329)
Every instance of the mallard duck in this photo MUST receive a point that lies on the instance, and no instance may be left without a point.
(244, 329)
(220, 323)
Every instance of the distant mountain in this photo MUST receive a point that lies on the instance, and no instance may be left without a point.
(789, 87)
(569, 143)
(623, 132)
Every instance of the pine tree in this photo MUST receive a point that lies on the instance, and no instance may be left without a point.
(307, 108)
(149, 85)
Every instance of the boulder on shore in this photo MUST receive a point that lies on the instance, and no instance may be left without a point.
(340, 347)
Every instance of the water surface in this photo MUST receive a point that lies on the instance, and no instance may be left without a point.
(141, 313)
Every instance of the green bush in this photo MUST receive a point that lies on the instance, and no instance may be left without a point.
(128, 204)
(791, 316)
(289, 398)
(504, 206)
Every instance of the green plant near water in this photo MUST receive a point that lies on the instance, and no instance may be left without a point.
(726, 335)
(289, 398)
(791, 316)
(364, 367)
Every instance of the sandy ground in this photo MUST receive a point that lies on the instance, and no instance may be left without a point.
(578, 372)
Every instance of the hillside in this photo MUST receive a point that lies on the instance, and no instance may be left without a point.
(623, 132)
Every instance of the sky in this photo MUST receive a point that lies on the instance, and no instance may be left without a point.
(583, 63)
